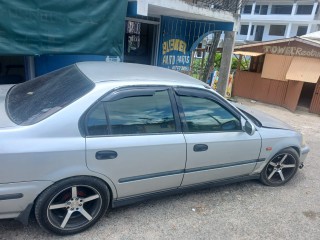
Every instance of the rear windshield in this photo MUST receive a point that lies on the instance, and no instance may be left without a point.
(32, 101)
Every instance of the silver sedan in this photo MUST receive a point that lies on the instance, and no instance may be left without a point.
(95, 135)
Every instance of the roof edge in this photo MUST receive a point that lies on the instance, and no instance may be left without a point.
(298, 39)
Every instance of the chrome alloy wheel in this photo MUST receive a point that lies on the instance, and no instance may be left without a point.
(281, 168)
(74, 207)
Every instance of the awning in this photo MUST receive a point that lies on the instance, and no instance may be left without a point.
(251, 54)
(276, 67)
(40, 27)
(304, 69)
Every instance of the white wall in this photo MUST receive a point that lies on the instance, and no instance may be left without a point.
(278, 19)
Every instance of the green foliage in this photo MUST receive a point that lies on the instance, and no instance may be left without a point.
(197, 70)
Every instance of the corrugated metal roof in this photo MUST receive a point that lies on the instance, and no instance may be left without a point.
(313, 37)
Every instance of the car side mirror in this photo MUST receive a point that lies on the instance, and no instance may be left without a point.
(249, 128)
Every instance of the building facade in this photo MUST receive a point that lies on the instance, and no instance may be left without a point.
(263, 20)
(156, 32)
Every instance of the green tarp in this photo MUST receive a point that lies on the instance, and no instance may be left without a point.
(37, 27)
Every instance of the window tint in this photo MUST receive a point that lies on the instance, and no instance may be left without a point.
(281, 9)
(204, 115)
(302, 30)
(252, 30)
(37, 99)
(247, 9)
(97, 122)
(277, 30)
(261, 9)
(304, 9)
(141, 114)
(244, 29)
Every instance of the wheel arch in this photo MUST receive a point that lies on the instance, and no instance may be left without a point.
(111, 187)
(44, 199)
(24, 216)
(297, 149)
(276, 148)
(284, 170)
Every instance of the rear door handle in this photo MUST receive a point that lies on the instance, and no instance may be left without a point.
(200, 147)
(107, 154)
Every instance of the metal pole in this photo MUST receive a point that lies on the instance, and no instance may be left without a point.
(212, 55)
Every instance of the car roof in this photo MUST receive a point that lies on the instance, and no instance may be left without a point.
(104, 72)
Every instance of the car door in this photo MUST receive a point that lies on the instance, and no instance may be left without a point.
(135, 139)
(217, 147)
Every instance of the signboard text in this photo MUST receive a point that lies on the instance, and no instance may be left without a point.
(291, 51)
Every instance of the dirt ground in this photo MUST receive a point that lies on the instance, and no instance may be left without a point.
(245, 210)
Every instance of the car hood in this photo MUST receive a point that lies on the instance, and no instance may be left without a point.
(4, 119)
(266, 120)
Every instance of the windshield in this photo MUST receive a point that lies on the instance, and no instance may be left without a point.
(32, 101)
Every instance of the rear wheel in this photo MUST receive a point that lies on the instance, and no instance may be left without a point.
(281, 168)
(72, 205)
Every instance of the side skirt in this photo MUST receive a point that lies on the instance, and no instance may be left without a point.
(140, 198)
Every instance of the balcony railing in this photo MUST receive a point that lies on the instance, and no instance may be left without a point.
(226, 5)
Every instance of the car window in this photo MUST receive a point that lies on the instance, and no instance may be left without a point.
(205, 115)
(34, 100)
(133, 115)
(141, 114)
(97, 121)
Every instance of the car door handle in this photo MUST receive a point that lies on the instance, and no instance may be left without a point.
(107, 154)
(200, 147)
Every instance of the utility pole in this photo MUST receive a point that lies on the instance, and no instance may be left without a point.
(212, 56)
(225, 67)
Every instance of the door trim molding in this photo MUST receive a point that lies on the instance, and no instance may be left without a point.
(190, 170)
(197, 169)
(152, 175)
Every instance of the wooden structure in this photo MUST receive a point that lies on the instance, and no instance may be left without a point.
(283, 72)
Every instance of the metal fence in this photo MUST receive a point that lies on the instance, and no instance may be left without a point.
(226, 5)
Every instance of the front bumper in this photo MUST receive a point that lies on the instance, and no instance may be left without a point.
(16, 197)
(304, 153)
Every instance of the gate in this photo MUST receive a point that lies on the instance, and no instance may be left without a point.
(293, 94)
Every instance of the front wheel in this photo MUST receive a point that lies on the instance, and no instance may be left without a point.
(281, 168)
(72, 205)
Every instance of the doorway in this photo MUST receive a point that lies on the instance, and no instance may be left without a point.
(12, 69)
(259, 33)
(140, 42)
(315, 103)
(306, 95)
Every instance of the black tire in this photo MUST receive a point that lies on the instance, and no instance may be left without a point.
(281, 168)
(72, 205)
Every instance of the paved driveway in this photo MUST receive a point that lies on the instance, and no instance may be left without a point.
(245, 210)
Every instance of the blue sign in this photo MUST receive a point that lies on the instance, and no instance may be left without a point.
(179, 37)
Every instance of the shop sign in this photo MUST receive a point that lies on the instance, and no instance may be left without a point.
(291, 51)
(175, 55)
(179, 37)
